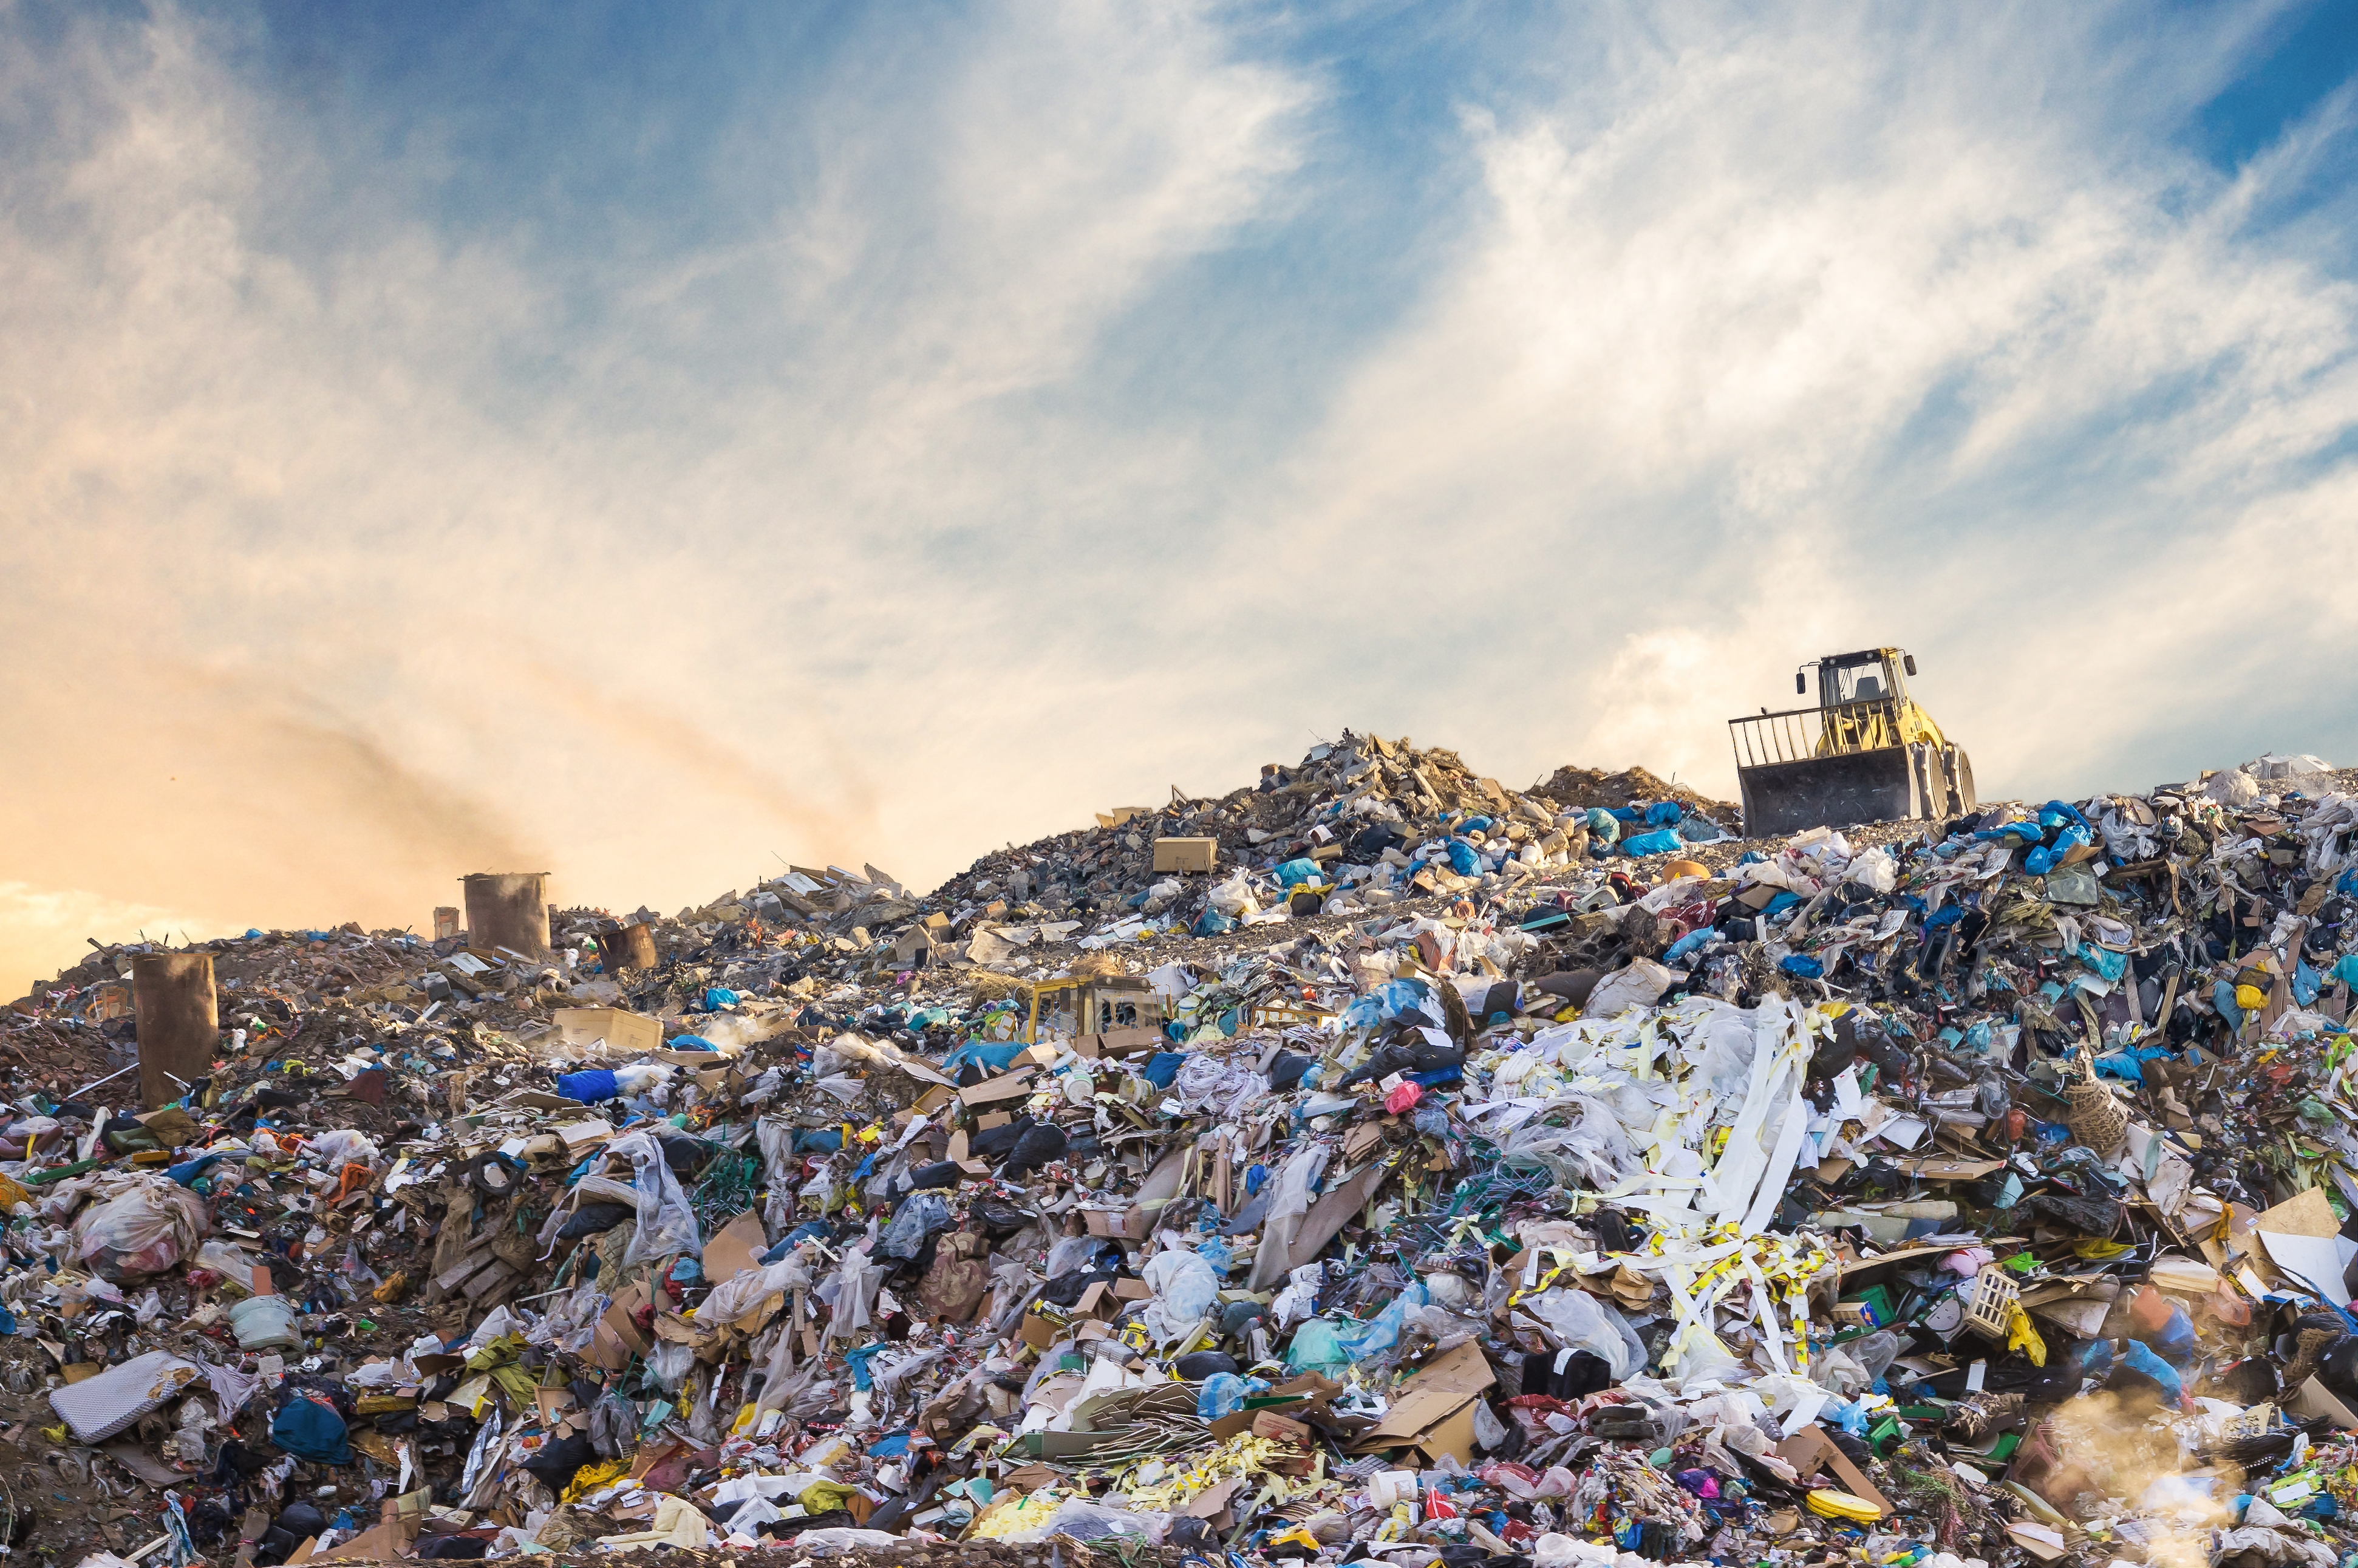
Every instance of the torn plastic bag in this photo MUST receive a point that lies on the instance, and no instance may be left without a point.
(1578, 1321)
(1185, 1291)
(142, 1230)
(920, 1216)
(667, 1224)
(671, 1362)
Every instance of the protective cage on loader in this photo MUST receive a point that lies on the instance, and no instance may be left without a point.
(1866, 753)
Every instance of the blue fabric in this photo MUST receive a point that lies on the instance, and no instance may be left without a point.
(1162, 1067)
(1211, 922)
(1786, 898)
(309, 1431)
(594, 1086)
(818, 1141)
(1802, 964)
(2222, 997)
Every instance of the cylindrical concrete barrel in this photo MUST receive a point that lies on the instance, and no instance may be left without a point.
(180, 1021)
(632, 947)
(506, 910)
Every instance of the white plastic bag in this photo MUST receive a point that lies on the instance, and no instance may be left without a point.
(1578, 1321)
(671, 1362)
(1232, 898)
(667, 1224)
(344, 1146)
(1185, 1291)
(142, 1230)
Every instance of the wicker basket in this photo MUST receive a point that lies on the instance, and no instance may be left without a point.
(2096, 1119)
(1990, 1313)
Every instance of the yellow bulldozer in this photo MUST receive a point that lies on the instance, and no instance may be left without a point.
(1866, 753)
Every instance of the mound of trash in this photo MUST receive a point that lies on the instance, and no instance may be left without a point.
(1376, 1161)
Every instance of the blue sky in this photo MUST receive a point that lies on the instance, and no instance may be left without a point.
(650, 443)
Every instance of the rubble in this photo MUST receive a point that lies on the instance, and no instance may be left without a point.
(1376, 1161)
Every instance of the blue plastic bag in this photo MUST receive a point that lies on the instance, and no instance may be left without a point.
(2045, 859)
(1295, 872)
(1461, 859)
(594, 1086)
(1225, 1393)
(2103, 961)
(1603, 825)
(1381, 1332)
(1661, 841)
(2139, 1358)
(1802, 966)
(1664, 814)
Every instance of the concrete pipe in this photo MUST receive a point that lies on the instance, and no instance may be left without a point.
(632, 947)
(507, 910)
(179, 1022)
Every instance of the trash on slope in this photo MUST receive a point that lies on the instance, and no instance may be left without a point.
(1400, 1166)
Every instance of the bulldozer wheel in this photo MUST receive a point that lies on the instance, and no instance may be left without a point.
(1960, 769)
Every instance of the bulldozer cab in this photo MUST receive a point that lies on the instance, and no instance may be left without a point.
(1866, 753)
(1865, 701)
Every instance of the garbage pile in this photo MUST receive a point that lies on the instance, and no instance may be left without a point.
(1375, 1163)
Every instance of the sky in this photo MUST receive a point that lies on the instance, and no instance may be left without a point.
(656, 444)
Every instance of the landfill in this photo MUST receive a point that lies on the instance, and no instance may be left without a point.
(1375, 1162)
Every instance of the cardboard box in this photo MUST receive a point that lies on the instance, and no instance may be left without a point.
(622, 1030)
(616, 1338)
(1039, 1332)
(1133, 1224)
(1187, 855)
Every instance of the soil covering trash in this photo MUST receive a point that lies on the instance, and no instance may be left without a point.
(1374, 1164)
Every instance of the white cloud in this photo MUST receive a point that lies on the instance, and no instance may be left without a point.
(1805, 337)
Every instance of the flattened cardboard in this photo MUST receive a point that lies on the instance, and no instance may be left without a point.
(1015, 1086)
(622, 1029)
(1432, 1414)
(2304, 1214)
(1464, 1371)
(738, 1246)
(1129, 1041)
(1298, 1399)
(1809, 1450)
(2313, 1398)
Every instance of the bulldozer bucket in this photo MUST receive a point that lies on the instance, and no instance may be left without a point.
(1891, 783)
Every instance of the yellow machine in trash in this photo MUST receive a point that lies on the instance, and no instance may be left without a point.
(1866, 753)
